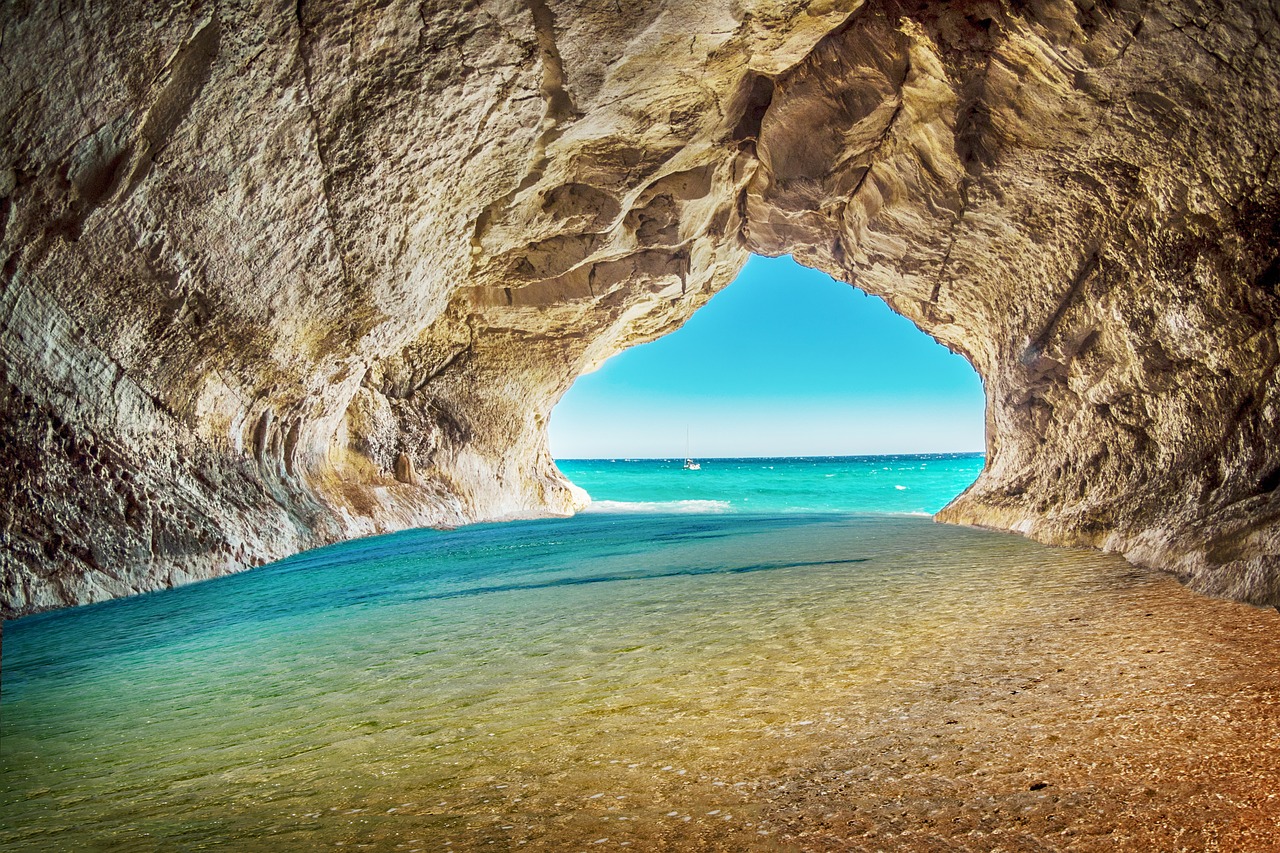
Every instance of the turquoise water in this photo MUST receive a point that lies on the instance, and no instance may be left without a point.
(919, 484)
(681, 680)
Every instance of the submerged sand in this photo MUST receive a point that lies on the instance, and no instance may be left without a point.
(677, 684)
(1117, 725)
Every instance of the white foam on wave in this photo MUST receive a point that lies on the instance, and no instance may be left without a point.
(690, 506)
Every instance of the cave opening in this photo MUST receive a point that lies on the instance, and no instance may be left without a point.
(784, 363)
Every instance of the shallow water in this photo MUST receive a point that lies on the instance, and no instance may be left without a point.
(675, 682)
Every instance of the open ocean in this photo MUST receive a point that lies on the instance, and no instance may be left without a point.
(764, 654)
(916, 484)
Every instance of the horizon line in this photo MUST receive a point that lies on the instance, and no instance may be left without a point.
(618, 457)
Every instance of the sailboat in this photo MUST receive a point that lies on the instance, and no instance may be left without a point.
(689, 464)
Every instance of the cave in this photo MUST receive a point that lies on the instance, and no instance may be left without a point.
(278, 276)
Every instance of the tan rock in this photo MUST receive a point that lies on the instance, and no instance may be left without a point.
(405, 472)
(255, 256)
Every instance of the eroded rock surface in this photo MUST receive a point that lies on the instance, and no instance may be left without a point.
(276, 274)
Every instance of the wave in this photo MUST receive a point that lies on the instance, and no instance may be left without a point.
(689, 506)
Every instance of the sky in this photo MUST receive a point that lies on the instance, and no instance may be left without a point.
(784, 361)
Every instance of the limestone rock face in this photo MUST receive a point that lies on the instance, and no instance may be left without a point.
(280, 274)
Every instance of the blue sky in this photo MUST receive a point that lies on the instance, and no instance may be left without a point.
(783, 362)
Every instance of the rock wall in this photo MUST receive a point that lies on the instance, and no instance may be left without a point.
(280, 274)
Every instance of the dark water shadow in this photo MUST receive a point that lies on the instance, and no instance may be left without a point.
(633, 576)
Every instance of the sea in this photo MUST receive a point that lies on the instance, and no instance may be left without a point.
(763, 654)
(911, 484)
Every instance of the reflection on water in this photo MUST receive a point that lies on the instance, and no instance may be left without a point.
(680, 682)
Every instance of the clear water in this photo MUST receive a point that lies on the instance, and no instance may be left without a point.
(919, 484)
(679, 681)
